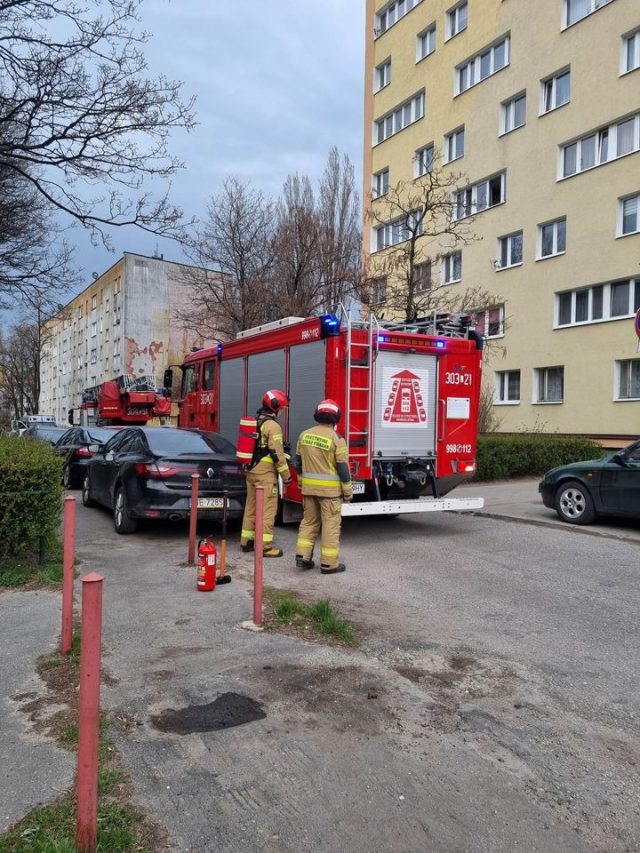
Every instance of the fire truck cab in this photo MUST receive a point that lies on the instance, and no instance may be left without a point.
(409, 395)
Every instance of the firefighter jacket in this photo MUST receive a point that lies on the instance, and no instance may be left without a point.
(271, 453)
(322, 463)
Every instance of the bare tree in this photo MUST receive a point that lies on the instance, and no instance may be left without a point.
(419, 226)
(34, 265)
(234, 257)
(339, 223)
(82, 125)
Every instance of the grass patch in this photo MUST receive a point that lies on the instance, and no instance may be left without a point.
(27, 572)
(318, 619)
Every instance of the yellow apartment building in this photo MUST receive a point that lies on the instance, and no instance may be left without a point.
(535, 104)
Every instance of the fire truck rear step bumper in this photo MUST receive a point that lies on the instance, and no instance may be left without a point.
(406, 506)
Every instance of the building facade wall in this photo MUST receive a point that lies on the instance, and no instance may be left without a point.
(540, 46)
(126, 321)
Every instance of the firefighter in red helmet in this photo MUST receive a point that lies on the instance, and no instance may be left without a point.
(268, 463)
(325, 481)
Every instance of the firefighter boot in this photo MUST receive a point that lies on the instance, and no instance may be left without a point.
(325, 570)
(248, 547)
(271, 551)
(301, 563)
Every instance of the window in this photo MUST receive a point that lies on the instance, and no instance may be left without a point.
(401, 117)
(189, 381)
(630, 52)
(509, 251)
(575, 10)
(208, 375)
(423, 160)
(489, 61)
(382, 76)
(555, 91)
(456, 20)
(628, 379)
(480, 196)
(612, 301)
(507, 386)
(94, 329)
(422, 277)
(426, 42)
(452, 267)
(454, 145)
(94, 301)
(378, 290)
(600, 147)
(513, 113)
(549, 384)
(629, 215)
(106, 305)
(552, 238)
(392, 13)
(398, 230)
(490, 322)
(380, 183)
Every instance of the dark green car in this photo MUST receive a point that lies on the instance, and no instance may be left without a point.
(582, 491)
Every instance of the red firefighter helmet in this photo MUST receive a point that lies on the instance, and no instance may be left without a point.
(275, 400)
(327, 411)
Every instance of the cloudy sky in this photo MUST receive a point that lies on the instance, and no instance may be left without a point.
(277, 84)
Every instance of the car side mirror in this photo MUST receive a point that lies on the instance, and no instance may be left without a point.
(167, 379)
(619, 459)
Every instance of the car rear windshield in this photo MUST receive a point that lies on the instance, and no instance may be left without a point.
(185, 441)
(101, 436)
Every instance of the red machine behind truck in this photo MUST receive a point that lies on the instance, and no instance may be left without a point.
(125, 400)
(409, 396)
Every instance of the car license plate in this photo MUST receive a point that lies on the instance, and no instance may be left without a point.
(210, 503)
(358, 488)
(138, 410)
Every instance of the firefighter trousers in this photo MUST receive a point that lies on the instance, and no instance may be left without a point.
(269, 481)
(320, 515)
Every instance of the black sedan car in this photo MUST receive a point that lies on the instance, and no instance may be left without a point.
(584, 490)
(145, 472)
(44, 432)
(78, 445)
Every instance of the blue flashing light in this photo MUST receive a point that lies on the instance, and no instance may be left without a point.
(381, 339)
(329, 325)
(441, 344)
(219, 349)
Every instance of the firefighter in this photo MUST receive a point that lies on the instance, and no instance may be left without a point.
(269, 462)
(323, 469)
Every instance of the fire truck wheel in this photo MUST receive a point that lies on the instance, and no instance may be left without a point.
(87, 500)
(122, 521)
(574, 504)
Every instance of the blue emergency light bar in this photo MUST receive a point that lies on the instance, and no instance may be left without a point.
(329, 326)
(441, 344)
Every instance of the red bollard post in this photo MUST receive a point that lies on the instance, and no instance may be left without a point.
(66, 636)
(193, 518)
(89, 714)
(258, 558)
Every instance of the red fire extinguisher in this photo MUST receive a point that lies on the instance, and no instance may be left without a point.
(207, 565)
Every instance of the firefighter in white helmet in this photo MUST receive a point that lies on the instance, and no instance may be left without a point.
(270, 462)
(325, 481)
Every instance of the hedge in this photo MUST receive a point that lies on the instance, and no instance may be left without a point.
(503, 456)
(30, 495)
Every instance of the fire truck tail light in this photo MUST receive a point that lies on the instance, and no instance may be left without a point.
(144, 469)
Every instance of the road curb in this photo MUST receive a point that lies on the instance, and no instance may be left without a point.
(533, 522)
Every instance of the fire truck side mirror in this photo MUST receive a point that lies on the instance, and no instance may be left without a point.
(167, 379)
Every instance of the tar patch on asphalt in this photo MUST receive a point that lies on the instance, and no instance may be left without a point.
(225, 712)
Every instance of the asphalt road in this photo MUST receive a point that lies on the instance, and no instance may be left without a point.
(492, 704)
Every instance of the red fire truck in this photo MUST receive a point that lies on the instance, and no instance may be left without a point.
(124, 400)
(409, 395)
